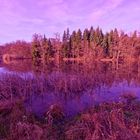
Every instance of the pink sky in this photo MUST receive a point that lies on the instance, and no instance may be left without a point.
(20, 19)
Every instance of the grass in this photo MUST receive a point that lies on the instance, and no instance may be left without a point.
(15, 86)
(110, 122)
(106, 121)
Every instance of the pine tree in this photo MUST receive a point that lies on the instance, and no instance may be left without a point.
(92, 32)
(105, 44)
(79, 43)
(110, 43)
(115, 38)
(68, 35)
(36, 48)
(86, 35)
(98, 37)
(73, 43)
(50, 51)
(64, 46)
(91, 37)
(68, 43)
(45, 47)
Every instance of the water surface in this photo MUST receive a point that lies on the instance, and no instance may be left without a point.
(99, 82)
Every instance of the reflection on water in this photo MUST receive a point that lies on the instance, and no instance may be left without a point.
(39, 104)
(76, 86)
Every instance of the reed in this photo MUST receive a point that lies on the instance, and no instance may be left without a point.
(106, 121)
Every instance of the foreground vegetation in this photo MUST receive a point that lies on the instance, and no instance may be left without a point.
(68, 78)
(105, 121)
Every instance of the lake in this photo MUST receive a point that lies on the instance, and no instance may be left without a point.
(75, 87)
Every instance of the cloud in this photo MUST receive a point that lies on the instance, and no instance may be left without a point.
(22, 18)
(112, 4)
(105, 8)
(49, 3)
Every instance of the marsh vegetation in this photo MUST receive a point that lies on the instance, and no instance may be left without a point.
(72, 101)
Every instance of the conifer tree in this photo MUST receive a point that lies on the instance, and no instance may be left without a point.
(45, 47)
(73, 43)
(64, 46)
(92, 32)
(79, 43)
(105, 44)
(50, 50)
(36, 48)
(68, 35)
(86, 35)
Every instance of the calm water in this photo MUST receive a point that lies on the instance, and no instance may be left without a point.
(104, 82)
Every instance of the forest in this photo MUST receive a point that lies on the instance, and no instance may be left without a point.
(91, 44)
(81, 86)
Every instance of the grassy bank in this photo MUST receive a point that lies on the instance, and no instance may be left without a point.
(107, 121)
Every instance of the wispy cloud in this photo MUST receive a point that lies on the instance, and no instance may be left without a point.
(20, 19)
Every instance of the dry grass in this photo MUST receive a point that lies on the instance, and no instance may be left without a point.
(114, 121)
(107, 121)
(14, 86)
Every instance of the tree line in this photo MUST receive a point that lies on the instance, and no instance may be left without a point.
(87, 44)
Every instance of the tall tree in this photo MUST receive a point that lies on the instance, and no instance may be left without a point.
(79, 43)
(50, 50)
(105, 45)
(64, 46)
(36, 48)
(45, 47)
(91, 37)
(68, 34)
(86, 35)
(73, 43)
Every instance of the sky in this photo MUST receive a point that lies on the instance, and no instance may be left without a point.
(20, 19)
